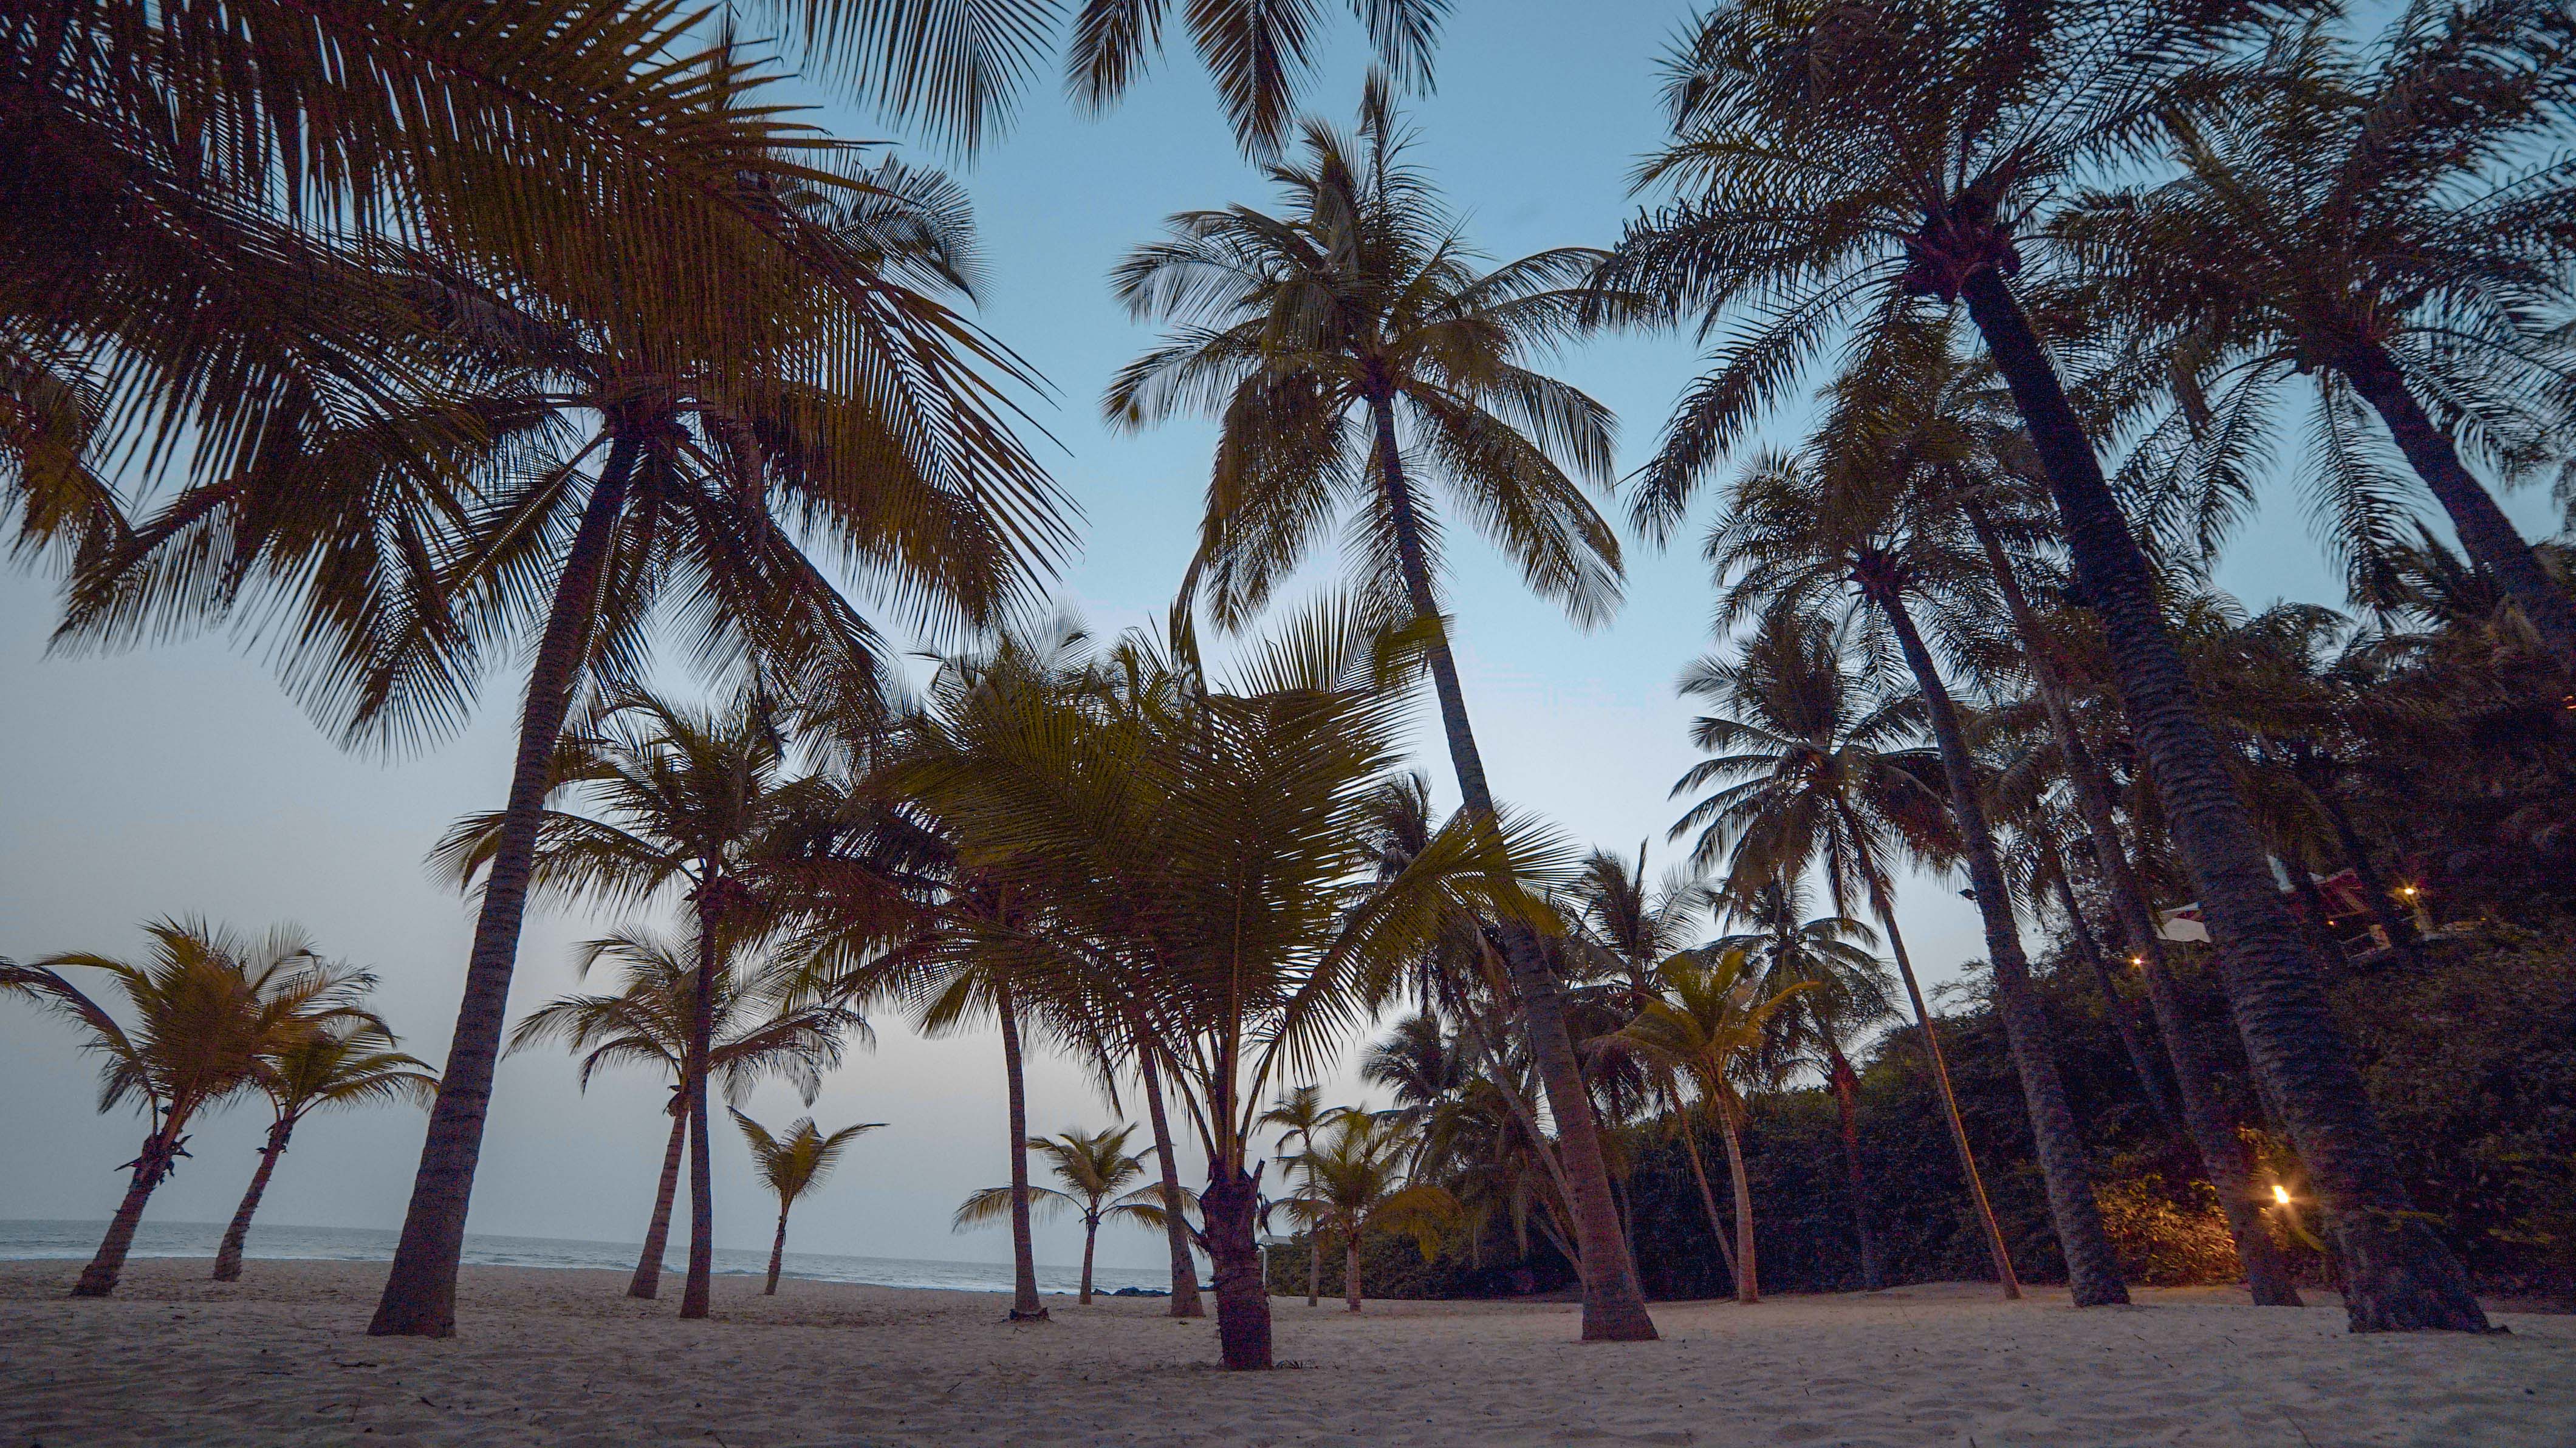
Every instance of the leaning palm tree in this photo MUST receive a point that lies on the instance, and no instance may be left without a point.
(349, 1063)
(1814, 768)
(2388, 221)
(1354, 354)
(209, 1009)
(1352, 1181)
(1828, 161)
(1098, 1172)
(1706, 1022)
(791, 1166)
(761, 1025)
(1297, 1116)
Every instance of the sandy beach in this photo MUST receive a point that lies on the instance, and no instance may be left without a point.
(561, 1358)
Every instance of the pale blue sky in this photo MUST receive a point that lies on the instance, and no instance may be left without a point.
(179, 780)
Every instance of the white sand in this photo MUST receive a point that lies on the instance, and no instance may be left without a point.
(560, 1357)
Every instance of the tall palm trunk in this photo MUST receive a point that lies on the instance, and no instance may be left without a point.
(1708, 1198)
(420, 1291)
(777, 1254)
(1846, 1083)
(2151, 1086)
(1314, 1267)
(1748, 1277)
(2223, 1155)
(2400, 1276)
(647, 1281)
(1025, 1306)
(1090, 1239)
(1351, 1270)
(1996, 1251)
(2375, 891)
(228, 1257)
(1229, 1205)
(1176, 1222)
(2092, 1269)
(161, 1150)
(1614, 1309)
(2487, 534)
(701, 1058)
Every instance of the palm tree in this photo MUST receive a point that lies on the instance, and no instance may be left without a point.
(1352, 1182)
(1706, 1022)
(1297, 1116)
(1834, 160)
(761, 1024)
(1842, 992)
(209, 1008)
(791, 1166)
(696, 798)
(1864, 506)
(349, 1063)
(1812, 771)
(1097, 1171)
(2385, 220)
(1351, 348)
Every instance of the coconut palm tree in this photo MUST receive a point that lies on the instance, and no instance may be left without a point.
(1864, 508)
(1843, 993)
(1351, 1182)
(209, 1009)
(1353, 353)
(349, 1063)
(1706, 1022)
(791, 1166)
(1829, 162)
(762, 1024)
(1814, 769)
(1297, 1116)
(2388, 221)
(1098, 1173)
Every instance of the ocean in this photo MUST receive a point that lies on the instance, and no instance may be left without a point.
(75, 1241)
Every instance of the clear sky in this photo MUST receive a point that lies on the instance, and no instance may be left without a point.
(180, 780)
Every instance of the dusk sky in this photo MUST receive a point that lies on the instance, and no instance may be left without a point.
(180, 780)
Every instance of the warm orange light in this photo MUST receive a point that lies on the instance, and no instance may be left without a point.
(2409, 890)
(2280, 1194)
(2138, 960)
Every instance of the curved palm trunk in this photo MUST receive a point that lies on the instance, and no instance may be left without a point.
(1708, 1200)
(1748, 1279)
(1229, 1205)
(1351, 1271)
(151, 1167)
(2400, 1276)
(1996, 1251)
(1176, 1225)
(702, 1016)
(777, 1254)
(1025, 1306)
(2487, 534)
(647, 1281)
(2222, 1153)
(228, 1257)
(2150, 1086)
(1846, 1082)
(420, 1291)
(1090, 1239)
(2092, 1269)
(1614, 1309)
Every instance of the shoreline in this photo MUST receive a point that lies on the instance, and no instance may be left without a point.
(559, 1356)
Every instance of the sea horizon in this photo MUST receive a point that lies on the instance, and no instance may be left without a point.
(73, 1239)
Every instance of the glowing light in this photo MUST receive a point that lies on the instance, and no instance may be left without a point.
(2409, 890)
(2280, 1194)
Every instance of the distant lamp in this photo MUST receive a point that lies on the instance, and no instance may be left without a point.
(2280, 1194)
(2139, 961)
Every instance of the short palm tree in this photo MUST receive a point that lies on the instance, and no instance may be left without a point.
(761, 1025)
(1707, 1022)
(1829, 161)
(349, 1063)
(1100, 1177)
(209, 1009)
(1351, 1181)
(1354, 353)
(1814, 767)
(1297, 1116)
(2388, 221)
(791, 1166)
